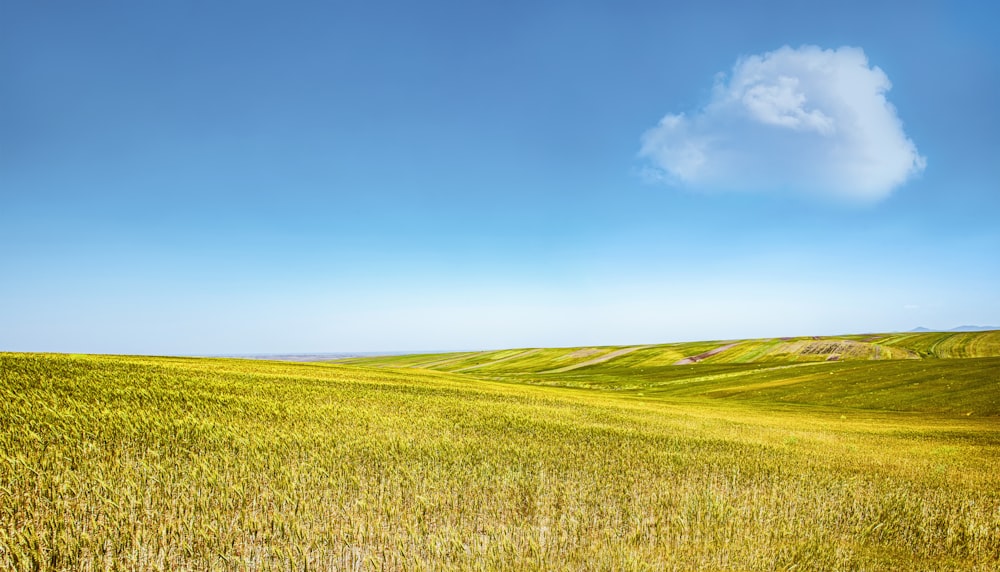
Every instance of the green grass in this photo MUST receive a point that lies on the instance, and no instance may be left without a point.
(631, 464)
(947, 344)
(955, 387)
(863, 347)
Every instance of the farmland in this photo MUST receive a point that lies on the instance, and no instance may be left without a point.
(766, 455)
(864, 347)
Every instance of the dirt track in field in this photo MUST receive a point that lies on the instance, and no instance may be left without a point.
(496, 361)
(599, 359)
(704, 355)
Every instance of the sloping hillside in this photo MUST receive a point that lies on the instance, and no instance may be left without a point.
(201, 464)
(862, 347)
(954, 374)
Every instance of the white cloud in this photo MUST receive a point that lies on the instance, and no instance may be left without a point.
(803, 120)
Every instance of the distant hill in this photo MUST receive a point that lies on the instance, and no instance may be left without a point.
(313, 357)
(965, 328)
(614, 359)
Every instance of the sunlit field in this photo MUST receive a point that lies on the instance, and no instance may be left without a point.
(627, 464)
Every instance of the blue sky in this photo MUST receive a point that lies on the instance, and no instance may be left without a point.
(207, 178)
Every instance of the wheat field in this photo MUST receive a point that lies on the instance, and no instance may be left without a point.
(134, 463)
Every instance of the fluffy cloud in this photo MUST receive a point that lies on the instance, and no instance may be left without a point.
(803, 120)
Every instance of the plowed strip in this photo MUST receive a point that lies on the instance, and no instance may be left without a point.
(704, 355)
(599, 359)
(496, 361)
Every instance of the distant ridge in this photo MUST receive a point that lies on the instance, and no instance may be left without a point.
(312, 357)
(966, 328)
(658, 358)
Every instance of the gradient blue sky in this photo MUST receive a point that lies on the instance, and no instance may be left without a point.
(239, 177)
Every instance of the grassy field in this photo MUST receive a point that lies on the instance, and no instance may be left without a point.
(864, 347)
(626, 464)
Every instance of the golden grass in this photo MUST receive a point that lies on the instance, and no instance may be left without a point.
(159, 463)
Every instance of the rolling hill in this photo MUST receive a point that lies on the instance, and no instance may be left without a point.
(723, 455)
(948, 373)
(861, 347)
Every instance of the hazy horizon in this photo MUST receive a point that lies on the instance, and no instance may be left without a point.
(334, 354)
